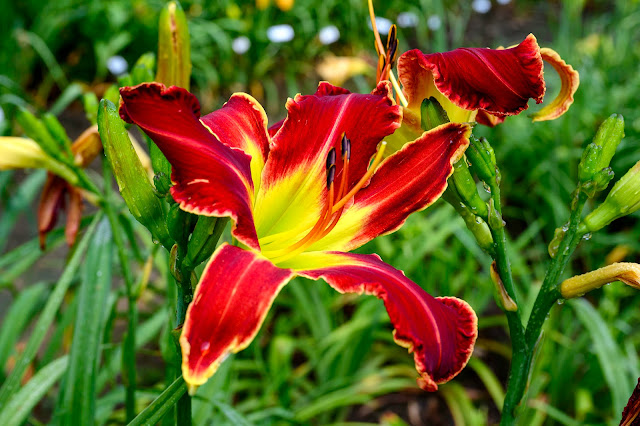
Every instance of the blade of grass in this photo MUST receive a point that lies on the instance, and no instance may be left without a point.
(26, 304)
(45, 320)
(79, 398)
(608, 353)
(157, 409)
(19, 407)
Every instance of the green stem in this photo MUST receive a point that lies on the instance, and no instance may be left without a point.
(185, 295)
(129, 342)
(547, 297)
(501, 257)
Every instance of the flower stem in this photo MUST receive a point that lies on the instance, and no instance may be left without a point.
(501, 257)
(547, 297)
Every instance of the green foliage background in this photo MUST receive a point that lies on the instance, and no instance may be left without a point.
(323, 358)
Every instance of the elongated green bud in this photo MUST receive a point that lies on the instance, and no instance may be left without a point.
(432, 114)
(475, 224)
(131, 176)
(623, 200)
(36, 130)
(598, 154)
(90, 103)
(143, 69)
(58, 132)
(204, 240)
(466, 188)
(180, 224)
(482, 159)
(174, 47)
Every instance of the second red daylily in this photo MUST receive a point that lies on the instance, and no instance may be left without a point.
(301, 195)
(483, 85)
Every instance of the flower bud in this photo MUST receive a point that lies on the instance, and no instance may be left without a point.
(90, 103)
(432, 114)
(482, 159)
(131, 176)
(174, 47)
(598, 154)
(180, 224)
(23, 153)
(36, 130)
(623, 199)
(628, 273)
(143, 69)
(204, 239)
(475, 224)
(464, 184)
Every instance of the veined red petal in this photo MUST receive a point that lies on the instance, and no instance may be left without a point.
(570, 80)
(230, 303)
(498, 81)
(242, 123)
(441, 332)
(409, 180)
(294, 178)
(210, 178)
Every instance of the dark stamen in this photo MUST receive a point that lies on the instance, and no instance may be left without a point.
(331, 174)
(331, 158)
(346, 147)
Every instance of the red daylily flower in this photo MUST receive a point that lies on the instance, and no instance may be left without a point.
(484, 85)
(301, 195)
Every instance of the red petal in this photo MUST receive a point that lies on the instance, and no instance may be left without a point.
(631, 413)
(499, 81)
(488, 119)
(210, 178)
(231, 301)
(51, 202)
(440, 331)
(242, 123)
(408, 181)
(314, 125)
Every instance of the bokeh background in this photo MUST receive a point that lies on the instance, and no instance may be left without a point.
(324, 358)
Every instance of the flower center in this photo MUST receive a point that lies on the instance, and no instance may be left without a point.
(337, 197)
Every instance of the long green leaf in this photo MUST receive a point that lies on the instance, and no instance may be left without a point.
(609, 355)
(10, 385)
(80, 383)
(22, 309)
(19, 407)
(166, 400)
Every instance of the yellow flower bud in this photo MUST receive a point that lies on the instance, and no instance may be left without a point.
(628, 273)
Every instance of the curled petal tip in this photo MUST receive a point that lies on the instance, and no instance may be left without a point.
(570, 80)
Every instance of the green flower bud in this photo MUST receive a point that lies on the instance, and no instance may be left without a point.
(598, 154)
(112, 94)
(623, 199)
(482, 159)
(475, 224)
(134, 184)
(174, 47)
(58, 133)
(204, 240)
(36, 130)
(464, 184)
(162, 183)
(180, 224)
(432, 114)
(125, 80)
(143, 69)
(90, 102)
